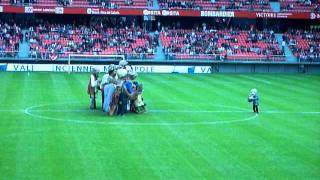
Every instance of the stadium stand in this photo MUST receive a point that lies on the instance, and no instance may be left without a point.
(10, 37)
(84, 3)
(220, 44)
(49, 41)
(304, 44)
(300, 5)
(245, 5)
(120, 3)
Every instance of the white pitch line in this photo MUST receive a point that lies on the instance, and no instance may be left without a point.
(27, 111)
(166, 111)
(33, 109)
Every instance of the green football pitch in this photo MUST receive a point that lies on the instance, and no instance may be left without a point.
(196, 127)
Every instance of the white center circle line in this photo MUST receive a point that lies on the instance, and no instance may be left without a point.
(30, 109)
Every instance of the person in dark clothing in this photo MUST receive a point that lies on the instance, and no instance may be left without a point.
(93, 87)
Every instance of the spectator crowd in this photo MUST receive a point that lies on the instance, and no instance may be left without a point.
(305, 45)
(220, 43)
(10, 37)
(49, 40)
(125, 36)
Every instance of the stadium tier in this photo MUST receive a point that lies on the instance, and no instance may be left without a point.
(300, 5)
(256, 5)
(83, 3)
(304, 44)
(222, 44)
(10, 37)
(217, 5)
(118, 36)
(57, 39)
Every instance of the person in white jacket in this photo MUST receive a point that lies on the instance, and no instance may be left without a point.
(93, 86)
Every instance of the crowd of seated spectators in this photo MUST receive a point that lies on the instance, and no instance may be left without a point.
(112, 4)
(174, 4)
(10, 37)
(64, 2)
(305, 45)
(103, 3)
(22, 1)
(300, 5)
(202, 42)
(261, 5)
(49, 41)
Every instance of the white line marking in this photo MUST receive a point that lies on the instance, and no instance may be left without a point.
(32, 109)
(256, 79)
(29, 109)
(163, 111)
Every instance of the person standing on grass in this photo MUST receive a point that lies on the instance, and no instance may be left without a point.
(109, 90)
(124, 94)
(105, 81)
(254, 99)
(93, 87)
(129, 87)
(114, 104)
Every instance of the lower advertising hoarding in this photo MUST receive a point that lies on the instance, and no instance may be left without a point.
(85, 68)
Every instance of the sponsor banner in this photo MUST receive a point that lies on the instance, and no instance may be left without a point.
(13, 9)
(45, 10)
(147, 12)
(85, 68)
(272, 15)
(315, 16)
(77, 68)
(29, 67)
(59, 10)
(217, 14)
(150, 12)
(28, 9)
(3, 67)
(100, 11)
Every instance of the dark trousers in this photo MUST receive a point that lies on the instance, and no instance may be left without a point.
(123, 102)
(255, 108)
(93, 101)
(102, 98)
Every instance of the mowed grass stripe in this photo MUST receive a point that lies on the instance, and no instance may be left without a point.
(28, 147)
(292, 135)
(270, 146)
(65, 133)
(147, 150)
(86, 136)
(209, 151)
(169, 153)
(227, 146)
(281, 154)
(313, 80)
(254, 144)
(227, 132)
(296, 94)
(299, 85)
(119, 157)
(120, 152)
(295, 86)
(275, 91)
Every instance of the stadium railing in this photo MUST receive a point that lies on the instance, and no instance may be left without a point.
(144, 56)
(220, 57)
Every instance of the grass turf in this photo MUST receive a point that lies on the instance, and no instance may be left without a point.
(197, 127)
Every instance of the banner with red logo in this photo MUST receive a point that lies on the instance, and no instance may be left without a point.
(163, 12)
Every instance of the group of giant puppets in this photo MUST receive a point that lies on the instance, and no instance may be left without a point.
(120, 93)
